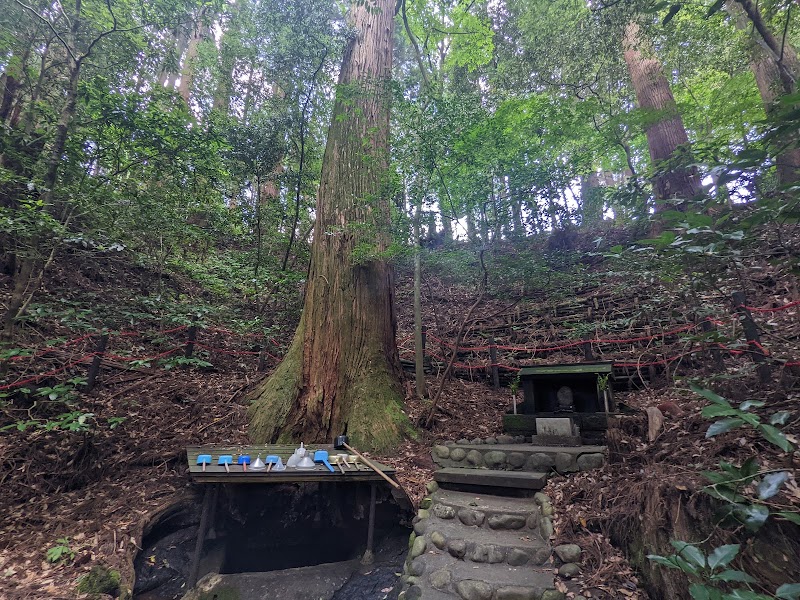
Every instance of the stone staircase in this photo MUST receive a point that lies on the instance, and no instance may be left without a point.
(483, 532)
(479, 547)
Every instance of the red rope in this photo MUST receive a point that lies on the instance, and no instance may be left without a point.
(21, 382)
(769, 310)
(223, 351)
(645, 338)
(229, 332)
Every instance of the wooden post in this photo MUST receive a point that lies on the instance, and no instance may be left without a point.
(201, 535)
(369, 557)
(262, 356)
(707, 326)
(493, 359)
(191, 336)
(97, 359)
(752, 337)
(587, 350)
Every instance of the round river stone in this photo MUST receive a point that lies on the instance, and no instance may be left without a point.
(515, 459)
(457, 454)
(495, 459)
(417, 567)
(457, 548)
(444, 512)
(568, 553)
(515, 593)
(470, 589)
(470, 517)
(517, 557)
(438, 540)
(441, 451)
(441, 579)
(418, 547)
(587, 462)
(506, 521)
(569, 570)
(539, 461)
(474, 458)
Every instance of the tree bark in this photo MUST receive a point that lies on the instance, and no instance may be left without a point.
(666, 133)
(784, 56)
(187, 71)
(342, 371)
(775, 68)
(419, 351)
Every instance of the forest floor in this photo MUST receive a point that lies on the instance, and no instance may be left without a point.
(86, 493)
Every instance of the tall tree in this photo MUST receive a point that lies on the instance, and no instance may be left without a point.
(776, 68)
(342, 373)
(665, 131)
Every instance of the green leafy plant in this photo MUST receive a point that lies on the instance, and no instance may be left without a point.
(745, 489)
(114, 422)
(515, 383)
(737, 417)
(61, 552)
(712, 577)
(182, 361)
(63, 392)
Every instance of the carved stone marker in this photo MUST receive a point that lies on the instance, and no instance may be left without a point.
(554, 427)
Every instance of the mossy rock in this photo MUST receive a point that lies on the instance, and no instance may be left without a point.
(100, 580)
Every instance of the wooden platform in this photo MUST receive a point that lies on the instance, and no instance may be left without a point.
(215, 473)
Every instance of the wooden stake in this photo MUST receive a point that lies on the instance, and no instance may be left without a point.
(751, 334)
(94, 368)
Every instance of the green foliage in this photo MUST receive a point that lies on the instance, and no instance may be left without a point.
(713, 579)
(182, 361)
(745, 489)
(737, 417)
(61, 552)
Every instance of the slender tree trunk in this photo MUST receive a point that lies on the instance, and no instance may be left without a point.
(784, 55)
(775, 68)
(197, 35)
(419, 351)
(591, 199)
(472, 231)
(342, 371)
(666, 133)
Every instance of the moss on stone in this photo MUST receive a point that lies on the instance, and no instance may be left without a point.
(100, 580)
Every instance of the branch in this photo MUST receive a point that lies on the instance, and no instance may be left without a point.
(417, 53)
(484, 283)
(50, 25)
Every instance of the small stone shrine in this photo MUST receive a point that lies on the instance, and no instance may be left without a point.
(564, 404)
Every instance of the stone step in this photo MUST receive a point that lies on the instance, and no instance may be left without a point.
(519, 457)
(483, 545)
(493, 512)
(526, 480)
(442, 576)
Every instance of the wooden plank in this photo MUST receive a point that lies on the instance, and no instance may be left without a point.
(484, 477)
(567, 369)
(215, 473)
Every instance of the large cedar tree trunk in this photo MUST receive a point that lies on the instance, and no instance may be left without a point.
(666, 132)
(342, 371)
